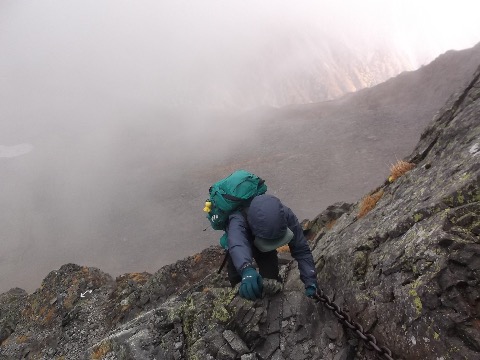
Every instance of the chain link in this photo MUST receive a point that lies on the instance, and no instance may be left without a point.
(369, 340)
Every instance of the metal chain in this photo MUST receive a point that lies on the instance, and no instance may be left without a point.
(369, 340)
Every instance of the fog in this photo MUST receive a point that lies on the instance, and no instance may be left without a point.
(110, 110)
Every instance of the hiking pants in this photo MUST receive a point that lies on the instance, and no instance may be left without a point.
(267, 266)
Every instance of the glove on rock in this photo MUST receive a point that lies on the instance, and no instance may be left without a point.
(311, 290)
(252, 284)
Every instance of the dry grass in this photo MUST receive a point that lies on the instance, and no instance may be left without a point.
(399, 169)
(283, 249)
(368, 203)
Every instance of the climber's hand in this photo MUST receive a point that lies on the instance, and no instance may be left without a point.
(252, 284)
(311, 290)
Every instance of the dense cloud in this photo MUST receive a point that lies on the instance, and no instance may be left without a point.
(99, 54)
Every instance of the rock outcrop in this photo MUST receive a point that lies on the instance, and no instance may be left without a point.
(408, 271)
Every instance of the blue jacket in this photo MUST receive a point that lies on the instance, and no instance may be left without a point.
(240, 242)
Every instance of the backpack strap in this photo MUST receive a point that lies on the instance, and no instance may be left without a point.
(231, 197)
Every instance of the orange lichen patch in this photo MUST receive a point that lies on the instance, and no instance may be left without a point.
(40, 313)
(399, 169)
(197, 258)
(6, 341)
(49, 316)
(70, 299)
(329, 225)
(368, 203)
(140, 277)
(15, 339)
(27, 312)
(22, 339)
(34, 309)
(101, 350)
(72, 292)
(283, 249)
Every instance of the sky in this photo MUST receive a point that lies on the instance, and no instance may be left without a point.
(97, 97)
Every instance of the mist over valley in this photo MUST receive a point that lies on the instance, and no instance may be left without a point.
(110, 135)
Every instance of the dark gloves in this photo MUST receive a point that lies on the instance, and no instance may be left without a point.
(252, 284)
(311, 290)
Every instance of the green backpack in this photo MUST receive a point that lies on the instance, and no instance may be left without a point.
(231, 194)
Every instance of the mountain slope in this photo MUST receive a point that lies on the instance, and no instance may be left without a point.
(314, 155)
(114, 189)
(407, 271)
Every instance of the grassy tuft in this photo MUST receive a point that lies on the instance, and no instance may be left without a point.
(368, 203)
(283, 249)
(399, 169)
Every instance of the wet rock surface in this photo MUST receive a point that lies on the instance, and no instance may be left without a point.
(408, 271)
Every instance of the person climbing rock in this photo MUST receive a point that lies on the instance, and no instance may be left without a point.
(256, 233)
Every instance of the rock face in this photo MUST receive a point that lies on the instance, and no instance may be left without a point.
(408, 271)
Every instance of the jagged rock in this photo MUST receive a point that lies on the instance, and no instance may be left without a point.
(411, 264)
(317, 227)
(235, 342)
(180, 276)
(58, 315)
(11, 304)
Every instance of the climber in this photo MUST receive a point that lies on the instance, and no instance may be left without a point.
(262, 228)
